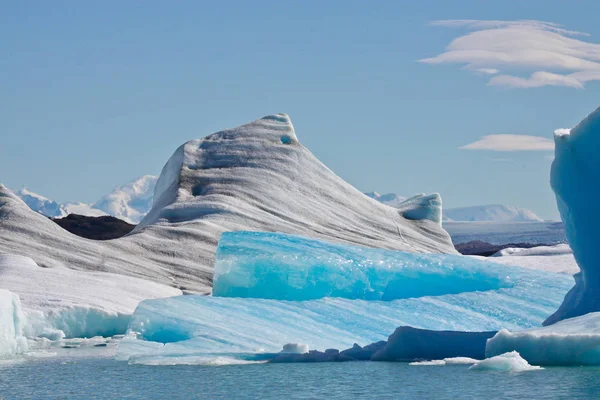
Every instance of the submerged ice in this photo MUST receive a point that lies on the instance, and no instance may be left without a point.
(252, 327)
(291, 267)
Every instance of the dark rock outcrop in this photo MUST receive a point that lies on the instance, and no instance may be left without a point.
(97, 228)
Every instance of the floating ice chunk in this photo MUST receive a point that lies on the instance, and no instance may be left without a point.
(290, 267)
(509, 362)
(574, 341)
(574, 176)
(460, 361)
(408, 343)
(447, 361)
(295, 348)
(12, 322)
(429, 363)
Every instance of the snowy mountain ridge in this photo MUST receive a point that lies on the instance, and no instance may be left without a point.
(491, 212)
(483, 213)
(129, 202)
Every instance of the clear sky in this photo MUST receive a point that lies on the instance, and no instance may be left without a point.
(94, 94)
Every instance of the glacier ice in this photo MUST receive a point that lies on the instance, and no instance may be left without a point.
(61, 302)
(558, 258)
(256, 328)
(408, 343)
(573, 341)
(12, 323)
(254, 177)
(575, 171)
(291, 267)
(507, 362)
(447, 361)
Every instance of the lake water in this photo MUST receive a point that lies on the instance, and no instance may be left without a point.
(67, 377)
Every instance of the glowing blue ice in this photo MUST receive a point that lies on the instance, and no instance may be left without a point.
(290, 267)
(205, 326)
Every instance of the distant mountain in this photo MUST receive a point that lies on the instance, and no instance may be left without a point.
(129, 202)
(391, 199)
(41, 204)
(493, 212)
(486, 213)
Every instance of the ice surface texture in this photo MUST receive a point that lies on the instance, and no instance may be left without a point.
(12, 323)
(61, 302)
(254, 177)
(291, 267)
(574, 341)
(209, 325)
(574, 178)
(507, 362)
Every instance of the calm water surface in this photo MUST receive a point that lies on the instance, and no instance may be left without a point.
(104, 378)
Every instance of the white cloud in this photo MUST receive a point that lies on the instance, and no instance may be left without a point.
(546, 53)
(508, 142)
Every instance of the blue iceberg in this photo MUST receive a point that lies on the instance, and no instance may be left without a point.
(291, 267)
(274, 289)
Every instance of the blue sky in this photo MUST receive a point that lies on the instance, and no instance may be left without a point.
(94, 94)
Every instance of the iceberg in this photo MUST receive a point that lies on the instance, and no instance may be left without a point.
(12, 323)
(257, 177)
(574, 341)
(575, 171)
(291, 267)
(61, 302)
(507, 362)
(255, 328)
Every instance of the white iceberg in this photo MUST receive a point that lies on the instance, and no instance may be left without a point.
(12, 324)
(254, 177)
(574, 341)
(507, 362)
(61, 302)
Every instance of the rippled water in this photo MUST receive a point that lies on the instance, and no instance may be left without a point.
(103, 378)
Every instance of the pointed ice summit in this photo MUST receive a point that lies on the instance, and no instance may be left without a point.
(254, 177)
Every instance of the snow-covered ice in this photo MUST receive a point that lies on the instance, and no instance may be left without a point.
(12, 324)
(574, 174)
(574, 341)
(558, 258)
(254, 177)
(507, 362)
(291, 267)
(61, 302)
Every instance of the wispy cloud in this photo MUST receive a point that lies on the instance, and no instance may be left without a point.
(509, 142)
(544, 53)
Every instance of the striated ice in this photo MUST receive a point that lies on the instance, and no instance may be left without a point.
(252, 328)
(290, 267)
